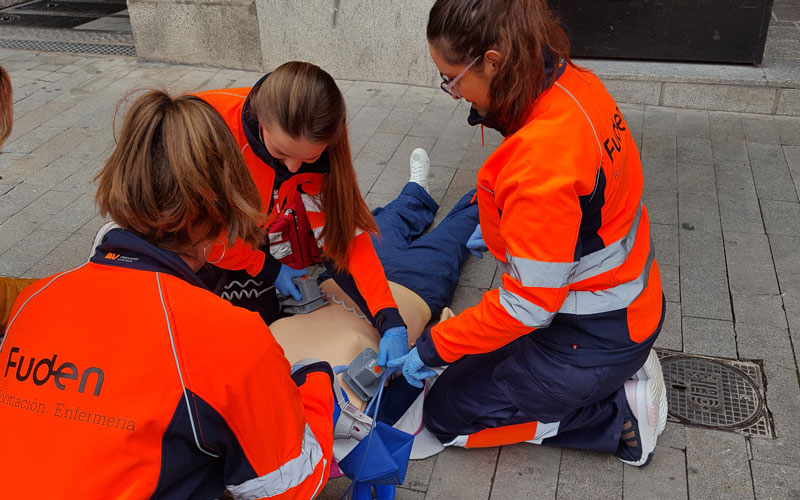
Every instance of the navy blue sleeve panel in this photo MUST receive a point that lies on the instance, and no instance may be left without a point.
(189, 472)
(299, 375)
(272, 266)
(427, 350)
(386, 318)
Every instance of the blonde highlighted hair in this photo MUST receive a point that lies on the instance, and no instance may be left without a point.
(304, 101)
(176, 177)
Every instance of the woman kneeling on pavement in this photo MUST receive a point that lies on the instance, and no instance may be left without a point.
(561, 353)
(126, 377)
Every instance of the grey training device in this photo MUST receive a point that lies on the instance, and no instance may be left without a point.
(363, 374)
(312, 297)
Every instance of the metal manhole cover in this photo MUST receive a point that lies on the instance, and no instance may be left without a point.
(716, 393)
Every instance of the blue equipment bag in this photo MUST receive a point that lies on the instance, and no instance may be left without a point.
(382, 457)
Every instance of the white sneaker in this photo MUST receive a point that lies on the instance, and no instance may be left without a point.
(647, 401)
(420, 167)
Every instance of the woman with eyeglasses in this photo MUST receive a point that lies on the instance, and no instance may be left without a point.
(291, 128)
(561, 353)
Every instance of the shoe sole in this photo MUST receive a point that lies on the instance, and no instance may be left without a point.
(651, 407)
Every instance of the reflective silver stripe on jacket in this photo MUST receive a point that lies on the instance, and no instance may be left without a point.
(537, 273)
(285, 477)
(611, 299)
(524, 311)
(311, 203)
(614, 255)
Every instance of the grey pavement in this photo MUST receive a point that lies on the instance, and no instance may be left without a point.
(721, 188)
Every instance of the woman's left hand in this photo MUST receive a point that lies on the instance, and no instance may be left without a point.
(414, 370)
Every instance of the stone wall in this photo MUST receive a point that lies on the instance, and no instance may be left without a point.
(373, 40)
(209, 32)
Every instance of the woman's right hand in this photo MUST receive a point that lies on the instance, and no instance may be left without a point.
(284, 284)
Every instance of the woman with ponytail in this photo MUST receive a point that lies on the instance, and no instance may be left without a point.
(560, 353)
(291, 128)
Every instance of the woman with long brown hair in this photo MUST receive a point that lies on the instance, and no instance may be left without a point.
(560, 353)
(291, 127)
(129, 361)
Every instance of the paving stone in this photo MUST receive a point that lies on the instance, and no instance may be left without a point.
(379, 148)
(27, 252)
(72, 252)
(750, 267)
(491, 137)
(787, 262)
(14, 231)
(771, 173)
(416, 99)
(82, 180)
(465, 297)
(729, 152)
(30, 121)
(475, 156)
(664, 478)
(696, 178)
(781, 217)
(671, 282)
(461, 473)
(367, 172)
(72, 217)
(694, 150)
(773, 346)
(55, 171)
(659, 146)
(387, 95)
(717, 465)
(775, 482)
(671, 336)
(693, 123)
(634, 118)
(447, 154)
(760, 129)
(740, 215)
(704, 284)
(419, 473)
(665, 238)
(191, 81)
(478, 273)
(764, 310)
(660, 121)
(398, 121)
(357, 96)
(463, 181)
(726, 127)
(660, 173)
(589, 476)
(430, 123)
(17, 198)
(789, 129)
(674, 436)
(633, 91)
(361, 128)
(662, 205)
(792, 154)
(709, 337)
(31, 140)
(526, 471)
(20, 167)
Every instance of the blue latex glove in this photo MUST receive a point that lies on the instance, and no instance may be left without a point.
(394, 344)
(284, 285)
(476, 244)
(414, 370)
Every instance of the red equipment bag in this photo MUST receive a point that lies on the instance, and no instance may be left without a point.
(291, 240)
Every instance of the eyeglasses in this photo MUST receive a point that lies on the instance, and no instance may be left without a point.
(449, 86)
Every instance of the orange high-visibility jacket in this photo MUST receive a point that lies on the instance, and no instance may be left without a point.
(121, 379)
(276, 185)
(561, 210)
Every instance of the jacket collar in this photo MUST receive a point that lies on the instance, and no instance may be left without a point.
(491, 121)
(251, 133)
(122, 248)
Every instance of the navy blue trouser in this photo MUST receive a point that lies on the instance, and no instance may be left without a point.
(522, 382)
(429, 264)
